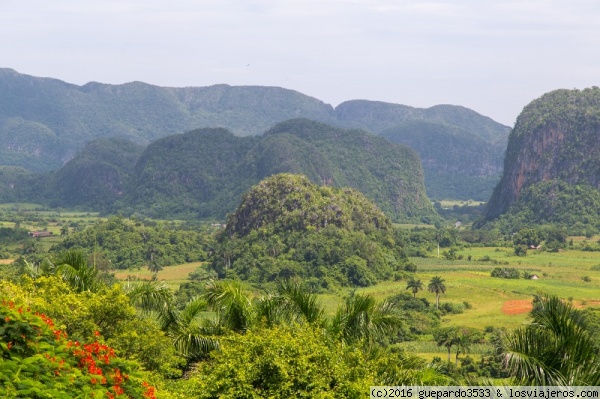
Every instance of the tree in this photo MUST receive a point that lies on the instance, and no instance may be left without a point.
(361, 317)
(528, 237)
(414, 286)
(465, 337)
(283, 362)
(289, 304)
(184, 327)
(555, 349)
(74, 269)
(436, 286)
(446, 337)
(231, 303)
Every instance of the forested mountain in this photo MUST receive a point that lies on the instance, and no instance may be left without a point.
(552, 164)
(96, 176)
(189, 175)
(456, 162)
(288, 227)
(44, 122)
(17, 184)
(203, 173)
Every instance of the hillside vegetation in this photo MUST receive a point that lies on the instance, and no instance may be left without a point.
(45, 122)
(288, 227)
(555, 140)
(457, 163)
(203, 173)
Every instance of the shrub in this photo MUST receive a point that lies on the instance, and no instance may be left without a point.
(505, 272)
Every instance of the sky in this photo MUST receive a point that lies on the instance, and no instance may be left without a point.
(491, 56)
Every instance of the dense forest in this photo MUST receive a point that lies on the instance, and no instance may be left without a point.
(203, 173)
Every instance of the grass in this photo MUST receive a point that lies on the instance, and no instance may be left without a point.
(173, 276)
(560, 274)
(451, 203)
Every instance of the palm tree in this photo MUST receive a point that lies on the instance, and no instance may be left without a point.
(361, 317)
(446, 337)
(72, 266)
(187, 328)
(466, 336)
(555, 349)
(414, 286)
(290, 304)
(191, 332)
(231, 303)
(436, 285)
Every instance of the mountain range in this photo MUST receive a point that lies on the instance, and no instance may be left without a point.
(203, 173)
(44, 122)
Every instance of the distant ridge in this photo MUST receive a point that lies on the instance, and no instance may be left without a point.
(44, 122)
(204, 172)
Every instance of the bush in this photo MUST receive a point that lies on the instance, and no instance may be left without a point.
(520, 250)
(505, 272)
(410, 267)
(451, 308)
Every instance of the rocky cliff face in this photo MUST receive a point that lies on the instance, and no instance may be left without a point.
(556, 136)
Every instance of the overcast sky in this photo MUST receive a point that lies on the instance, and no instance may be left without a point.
(491, 56)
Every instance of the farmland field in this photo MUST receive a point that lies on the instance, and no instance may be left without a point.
(498, 301)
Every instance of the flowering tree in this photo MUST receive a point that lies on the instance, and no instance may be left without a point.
(39, 361)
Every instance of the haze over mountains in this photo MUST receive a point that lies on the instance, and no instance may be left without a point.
(45, 122)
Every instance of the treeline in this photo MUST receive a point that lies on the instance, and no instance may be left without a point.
(125, 243)
(572, 207)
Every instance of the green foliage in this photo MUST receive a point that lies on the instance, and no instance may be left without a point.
(283, 363)
(555, 349)
(505, 272)
(288, 227)
(554, 140)
(127, 243)
(39, 361)
(419, 317)
(414, 285)
(287, 203)
(108, 311)
(520, 250)
(437, 286)
(553, 209)
(361, 318)
(527, 237)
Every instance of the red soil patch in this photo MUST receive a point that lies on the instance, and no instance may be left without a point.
(579, 305)
(517, 306)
